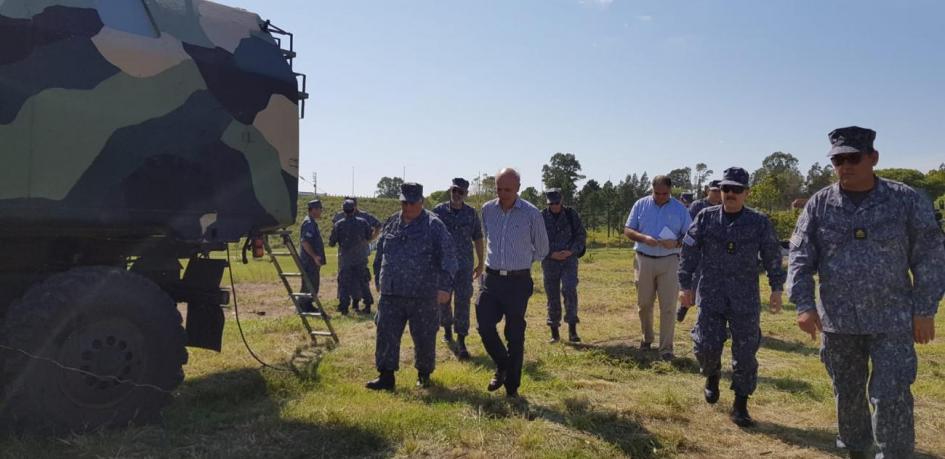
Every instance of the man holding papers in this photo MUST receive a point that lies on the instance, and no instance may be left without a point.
(657, 223)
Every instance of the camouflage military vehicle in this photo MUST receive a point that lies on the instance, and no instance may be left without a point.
(135, 135)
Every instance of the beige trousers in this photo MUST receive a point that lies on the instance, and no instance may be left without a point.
(656, 277)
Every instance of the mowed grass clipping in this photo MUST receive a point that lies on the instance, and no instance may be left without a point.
(602, 398)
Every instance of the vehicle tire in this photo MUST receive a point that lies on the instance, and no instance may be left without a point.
(100, 320)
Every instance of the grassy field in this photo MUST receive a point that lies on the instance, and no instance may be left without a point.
(602, 398)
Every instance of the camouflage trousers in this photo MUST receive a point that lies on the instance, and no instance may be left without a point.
(456, 313)
(314, 273)
(561, 277)
(350, 285)
(365, 282)
(709, 335)
(393, 314)
(894, 365)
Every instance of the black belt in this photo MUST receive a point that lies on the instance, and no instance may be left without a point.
(516, 273)
(657, 257)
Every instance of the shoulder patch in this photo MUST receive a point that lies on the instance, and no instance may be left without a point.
(796, 240)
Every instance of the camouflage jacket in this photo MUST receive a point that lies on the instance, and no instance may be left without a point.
(464, 227)
(698, 205)
(310, 233)
(415, 259)
(351, 234)
(565, 231)
(726, 254)
(878, 264)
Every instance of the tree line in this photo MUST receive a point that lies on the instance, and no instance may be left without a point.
(775, 186)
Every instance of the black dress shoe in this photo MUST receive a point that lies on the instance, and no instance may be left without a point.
(423, 380)
(384, 381)
(739, 414)
(511, 393)
(498, 380)
(711, 390)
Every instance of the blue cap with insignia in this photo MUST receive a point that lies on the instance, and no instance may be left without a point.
(411, 192)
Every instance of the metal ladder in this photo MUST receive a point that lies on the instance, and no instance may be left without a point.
(298, 298)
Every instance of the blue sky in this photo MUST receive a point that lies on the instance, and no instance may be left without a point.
(451, 88)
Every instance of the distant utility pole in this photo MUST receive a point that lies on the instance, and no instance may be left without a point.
(315, 182)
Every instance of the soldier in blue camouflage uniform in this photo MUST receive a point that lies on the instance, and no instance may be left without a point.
(713, 198)
(313, 252)
(879, 257)
(414, 268)
(566, 243)
(723, 244)
(351, 235)
(364, 278)
(463, 223)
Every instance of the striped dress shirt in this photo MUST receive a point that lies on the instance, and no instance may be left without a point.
(516, 238)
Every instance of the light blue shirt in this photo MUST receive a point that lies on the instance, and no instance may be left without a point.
(514, 239)
(649, 218)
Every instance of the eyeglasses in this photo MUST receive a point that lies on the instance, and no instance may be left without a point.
(733, 189)
(846, 158)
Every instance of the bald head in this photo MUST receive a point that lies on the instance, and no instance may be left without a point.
(510, 173)
(507, 183)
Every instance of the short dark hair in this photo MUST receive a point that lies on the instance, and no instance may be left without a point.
(663, 180)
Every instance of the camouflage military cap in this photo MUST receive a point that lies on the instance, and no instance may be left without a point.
(352, 198)
(715, 184)
(553, 195)
(460, 183)
(853, 139)
(314, 204)
(687, 196)
(734, 176)
(348, 205)
(411, 192)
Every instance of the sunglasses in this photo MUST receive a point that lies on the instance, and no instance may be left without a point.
(733, 189)
(846, 158)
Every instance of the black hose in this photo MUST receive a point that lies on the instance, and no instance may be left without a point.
(236, 310)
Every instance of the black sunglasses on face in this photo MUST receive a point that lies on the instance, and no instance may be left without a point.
(849, 158)
(733, 189)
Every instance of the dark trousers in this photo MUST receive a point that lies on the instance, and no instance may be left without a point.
(394, 313)
(315, 276)
(887, 383)
(708, 338)
(504, 296)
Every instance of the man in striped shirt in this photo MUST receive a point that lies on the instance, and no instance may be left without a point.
(515, 238)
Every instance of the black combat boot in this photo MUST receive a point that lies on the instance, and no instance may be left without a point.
(384, 381)
(572, 334)
(681, 313)
(423, 380)
(461, 352)
(555, 336)
(711, 390)
(447, 334)
(739, 414)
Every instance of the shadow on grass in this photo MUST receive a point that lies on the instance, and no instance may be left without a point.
(240, 411)
(796, 347)
(819, 439)
(637, 357)
(533, 369)
(612, 427)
